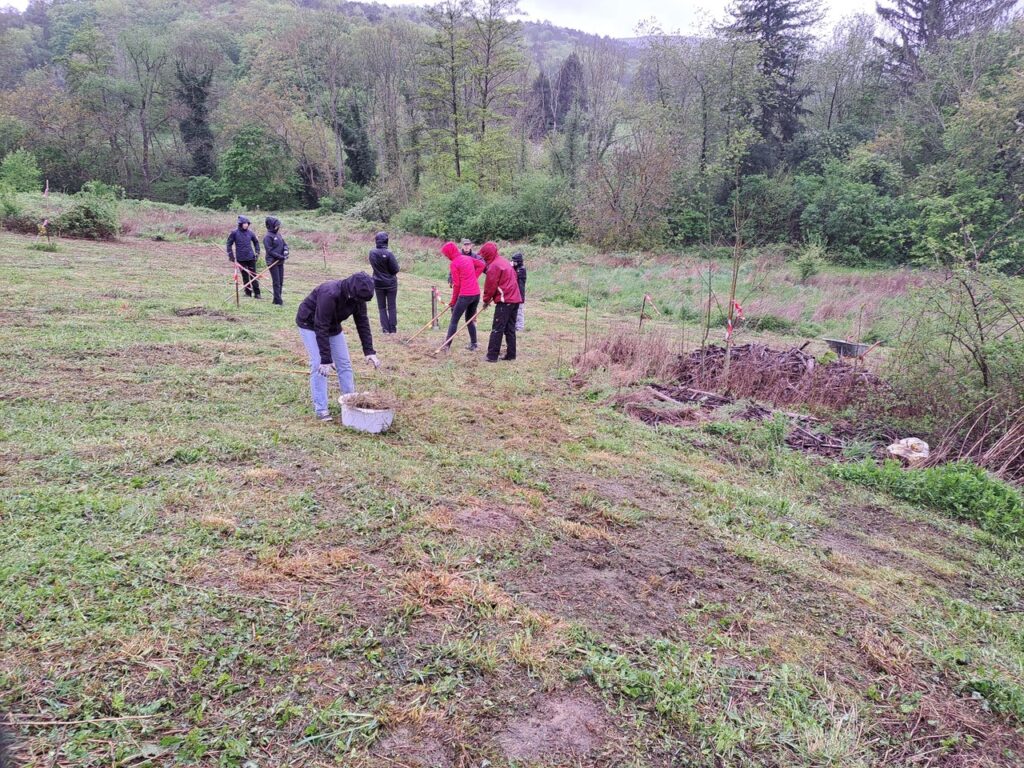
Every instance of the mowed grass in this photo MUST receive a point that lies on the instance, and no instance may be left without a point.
(194, 571)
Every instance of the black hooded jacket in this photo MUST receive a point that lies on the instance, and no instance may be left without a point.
(330, 304)
(274, 245)
(517, 265)
(247, 245)
(384, 264)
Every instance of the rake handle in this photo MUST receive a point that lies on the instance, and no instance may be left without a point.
(429, 324)
(459, 330)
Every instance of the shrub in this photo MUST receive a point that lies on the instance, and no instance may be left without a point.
(9, 205)
(857, 219)
(377, 207)
(811, 259)
(327, 205)
(20, 170)
(94, 213)
(258, 171)
(204, 192)
(961, 490)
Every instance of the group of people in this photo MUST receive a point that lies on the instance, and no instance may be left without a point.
(244, 249)
(322, 312)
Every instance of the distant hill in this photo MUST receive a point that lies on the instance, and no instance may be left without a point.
(547, 43)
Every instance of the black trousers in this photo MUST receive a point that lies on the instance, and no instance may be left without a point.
(387, 305)
(504, 326)
(277, 276)
(247, 271)
(466, 305)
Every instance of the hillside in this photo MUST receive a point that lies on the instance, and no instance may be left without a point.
(195, 571)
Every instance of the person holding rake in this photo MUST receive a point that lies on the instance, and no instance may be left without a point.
(246, 249)
(465, 278)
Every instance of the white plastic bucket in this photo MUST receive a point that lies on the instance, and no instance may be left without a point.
(365, 419)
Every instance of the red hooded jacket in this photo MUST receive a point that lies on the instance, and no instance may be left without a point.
(502, 284)
(463, 271)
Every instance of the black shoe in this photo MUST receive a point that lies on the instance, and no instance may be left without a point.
(508, 358)
(491, 359)
(257, 296)
(472, 347)
(279, 303)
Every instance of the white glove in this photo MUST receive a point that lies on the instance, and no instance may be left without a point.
(372, 360)
(325, 369)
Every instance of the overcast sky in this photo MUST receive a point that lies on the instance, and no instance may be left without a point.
(619, 19)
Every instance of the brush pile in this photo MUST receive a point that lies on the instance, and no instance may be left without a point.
(782, 377)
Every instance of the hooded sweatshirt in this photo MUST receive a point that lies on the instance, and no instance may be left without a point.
(502, 285)
(517, 265)
(247, 245)
(274, 245)
(331, 303)
(384, 264)
(463, 272)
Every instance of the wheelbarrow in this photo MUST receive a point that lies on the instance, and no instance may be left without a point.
(848, 348)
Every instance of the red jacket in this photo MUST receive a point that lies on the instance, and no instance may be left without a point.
(502, 284)
(463, 271)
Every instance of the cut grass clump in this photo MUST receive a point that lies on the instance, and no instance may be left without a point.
(961, 490)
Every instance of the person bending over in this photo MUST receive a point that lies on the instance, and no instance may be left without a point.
(319, 319)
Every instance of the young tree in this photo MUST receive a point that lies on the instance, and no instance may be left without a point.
(446, 72)
(496, 51)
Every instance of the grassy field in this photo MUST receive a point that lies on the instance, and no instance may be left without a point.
(194, 571)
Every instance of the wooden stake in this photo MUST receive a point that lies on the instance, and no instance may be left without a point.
(323, 247)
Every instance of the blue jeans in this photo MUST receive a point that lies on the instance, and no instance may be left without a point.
(342, 363)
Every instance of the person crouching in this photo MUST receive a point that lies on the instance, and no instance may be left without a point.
(319, 319)
(501, 287)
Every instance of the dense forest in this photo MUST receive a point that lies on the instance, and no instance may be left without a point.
(893, 137)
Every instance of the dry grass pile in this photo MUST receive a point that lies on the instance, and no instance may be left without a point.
(646, 405)
(629, 354)
(373, 401)
(989, 436)
(782, 377)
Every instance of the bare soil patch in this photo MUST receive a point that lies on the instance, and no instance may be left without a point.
(484, 520)
(205, 312)
(409, 747)
(560, 726)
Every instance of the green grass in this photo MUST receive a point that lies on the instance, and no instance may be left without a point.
(962, 490)
(195, 571)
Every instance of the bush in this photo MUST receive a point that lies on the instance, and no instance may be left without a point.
(20, 171)
(961, 490)
(538, 209)
(856, 219)
(258, 170)
(94, 213)
(204, 192)
(9, 205)
(376, 207)
(811, 259)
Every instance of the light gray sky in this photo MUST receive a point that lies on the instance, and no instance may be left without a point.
(619, 19)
